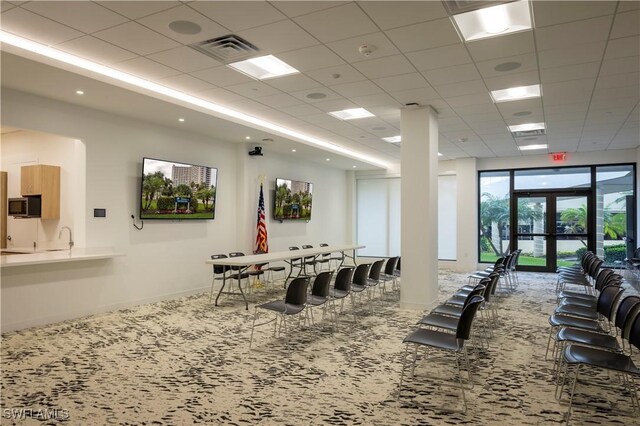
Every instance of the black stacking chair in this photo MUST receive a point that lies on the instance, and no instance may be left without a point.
(269, 270)
(388, 274)
(341, 289)
(320, 294)
(605, 278)
(374, 279)
(324, 259)
(245, 269)
(579, 279)
(294, 264)
(309, 261)
(577, 357)
(293, 304)
(219, 272)
(360, 284)
(447, 342)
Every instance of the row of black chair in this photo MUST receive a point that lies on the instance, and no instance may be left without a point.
(349, 282)
(594, 328)
(448, 326)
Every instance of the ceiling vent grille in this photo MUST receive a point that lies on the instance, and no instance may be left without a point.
(226, 49)
(455, 7)
(529, 133)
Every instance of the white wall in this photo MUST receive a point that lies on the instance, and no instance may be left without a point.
(23, 148)
(165, 259)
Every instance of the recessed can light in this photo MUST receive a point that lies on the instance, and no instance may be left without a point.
(354, 166)
(181, 120)
(247, 137)
(185, 27)
(328, 159)
(293, 150)
(79, 92)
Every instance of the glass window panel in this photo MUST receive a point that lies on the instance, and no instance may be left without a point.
(572, 215)
(494, 215)
(541, 179)
(614, 212)
(532, 215)
(534, 250)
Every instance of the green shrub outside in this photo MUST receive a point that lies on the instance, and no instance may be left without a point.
(193, 204)
(165, 203)
(614, 253)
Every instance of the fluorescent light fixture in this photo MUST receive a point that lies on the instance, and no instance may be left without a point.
(183, 98)
(393, 139)
(264, 67)
(494, 21)
(516, 93)
(181, 120)
(526, 127)
(79, 92)
(532, 147)
(351, 114)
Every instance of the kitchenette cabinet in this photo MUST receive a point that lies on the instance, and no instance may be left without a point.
(42, 180)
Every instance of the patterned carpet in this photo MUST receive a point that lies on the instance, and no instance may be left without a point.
(184, 361)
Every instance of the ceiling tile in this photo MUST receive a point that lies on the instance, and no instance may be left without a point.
(317, 118)
(557, 12)
(145, 68)
(626, 24)
(617, 80)
(186, 83)
(138, 9)
(253, 89)
(578, 54)
(375, 100)
(337, 23)
(392, 14)
(281, 100)
(402, 82)
(476, 108)
(384, 67)
(84, 16)
(452, 74)
(439, 57)
(500, 47)
(248, 106)
(336, 75)
(512, 80)
(425, 35)
(4, 6)
(219, 95)
(509, 108)
(94, 49)
(527, 62)
(185, 59)
(160, 22)
(359, 88)
(567, 92)
(570, 72)
(278, 37)
(416, 95)
(301, 110)
(238, 16)
(136, 38)
(297, 8)
(378, 43)
(34, 27)
(311, 58)
(462, 88)
(222, 76)
(626, 65)
(632, 91)
(622, 47)
(570, 34)
(335, 105)
(473, 99)
(292, 83)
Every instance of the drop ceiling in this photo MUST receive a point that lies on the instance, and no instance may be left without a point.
(584, 54)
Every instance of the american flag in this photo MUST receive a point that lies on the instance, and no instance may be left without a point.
(262, 244)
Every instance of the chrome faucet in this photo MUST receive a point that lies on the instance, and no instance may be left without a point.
(70, 236)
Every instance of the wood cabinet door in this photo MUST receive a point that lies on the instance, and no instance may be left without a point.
(31, 180)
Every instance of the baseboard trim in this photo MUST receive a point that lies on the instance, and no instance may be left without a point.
(66, 316)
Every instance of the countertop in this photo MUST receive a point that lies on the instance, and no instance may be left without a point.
(16, 257)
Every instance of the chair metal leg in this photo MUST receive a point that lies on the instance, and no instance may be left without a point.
(548, 343)
(464, 398)
(404, 359)
(253, 325)
(573, 389)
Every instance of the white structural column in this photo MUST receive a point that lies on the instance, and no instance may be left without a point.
(467, 214)
(419, 207)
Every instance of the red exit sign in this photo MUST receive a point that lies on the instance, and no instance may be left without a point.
(558, 157)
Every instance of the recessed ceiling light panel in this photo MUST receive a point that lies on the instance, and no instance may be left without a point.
(393, 139)
(533, 147)
(351, 114)
(264, 67)
(526, 127)
(516, 93)
(494, 21)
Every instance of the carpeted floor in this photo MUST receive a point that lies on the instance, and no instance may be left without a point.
(183, 361)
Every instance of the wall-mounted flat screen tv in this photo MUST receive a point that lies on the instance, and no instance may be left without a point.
(177, 191)
(293, 200)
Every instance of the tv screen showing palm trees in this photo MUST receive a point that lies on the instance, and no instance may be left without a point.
(177, 191)
(293, 200)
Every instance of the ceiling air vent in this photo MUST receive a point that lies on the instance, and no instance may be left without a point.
(226, 49)
(528, 133)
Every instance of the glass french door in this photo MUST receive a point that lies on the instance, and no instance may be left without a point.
(552, 228)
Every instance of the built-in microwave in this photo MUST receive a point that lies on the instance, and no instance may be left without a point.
(24, 207)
